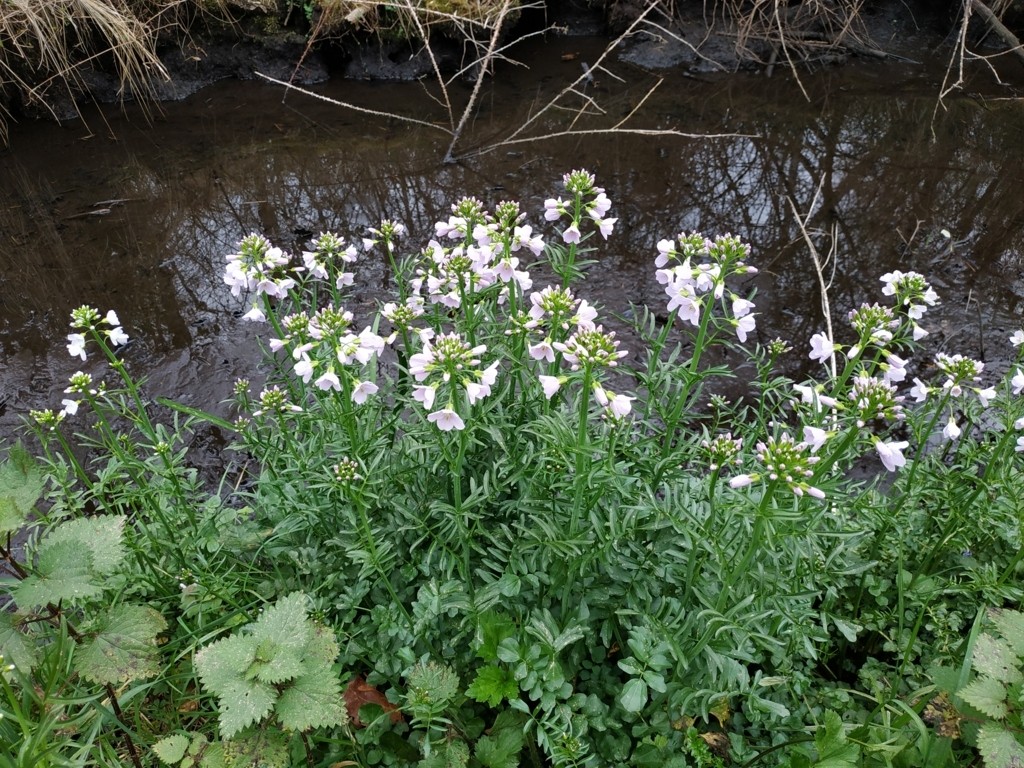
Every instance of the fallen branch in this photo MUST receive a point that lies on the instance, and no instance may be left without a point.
(999, 28)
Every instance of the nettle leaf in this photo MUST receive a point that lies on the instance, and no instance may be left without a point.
(1011, 626)
(63, 573)
(223, 669)
(171, 749)
(999, 747)
(21, 484)
(322, 649)
(285, 624)
(995, 658)
(987, 695)
(102, 536)
(123, 646)
(492, 685)
(16, 646)
(312, 701)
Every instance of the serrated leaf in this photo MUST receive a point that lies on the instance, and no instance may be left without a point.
(322, 649)
(63, 573)
(244, 703)
(122, 647)
(634, 695)
(16, 647)
(492, 629)
(501, 747)
(102, 536)
(225, 661)
(312, 701)
(285, 624)
(22, 481)
(172, 749)
(257, 749)
(987, 695)
(999, 747)
(492, 685)
(1011, 626)
(834, 749)
(995, 658)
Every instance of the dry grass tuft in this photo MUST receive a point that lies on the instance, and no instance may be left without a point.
(49, 43)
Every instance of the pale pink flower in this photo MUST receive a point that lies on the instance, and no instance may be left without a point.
(446, 420)
(117, 336)
(572, 234)
(741, 481)
(76, 345)
(822, 348)
(255, 314)
(362, 391)
(542, 351)
(1017, 382)
(665, 247)
(741, 307)
(815, 437)
(951, 431)
(620, 405)
(70, 407)
(328, 380)
(1017, 338)
(744, 325)
(550, 385)
(425, 395)
(605, 226)
(812, 396)
(304, 369)
(919, 391)
(895, 369)
(111, 318)
(919, 332)
(985, 395)
(891, 454)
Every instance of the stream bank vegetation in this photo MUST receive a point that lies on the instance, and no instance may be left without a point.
(55, 53)
(476, 527)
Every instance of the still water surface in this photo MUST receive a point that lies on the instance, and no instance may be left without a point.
(137, 217)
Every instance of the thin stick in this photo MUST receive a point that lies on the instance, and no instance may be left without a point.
(484, 64)
(609, 131)
(390, 115)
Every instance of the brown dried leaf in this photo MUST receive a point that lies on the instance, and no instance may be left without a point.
(359, 692)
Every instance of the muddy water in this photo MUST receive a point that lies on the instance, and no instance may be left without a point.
(122, 214)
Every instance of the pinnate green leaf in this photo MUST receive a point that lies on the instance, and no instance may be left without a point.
(995, 658)
(987, 695)
(16, 647)
(834, 749)
(171, 749)
(21, 484)
(492, 685)
(999, 747)
(122, 646)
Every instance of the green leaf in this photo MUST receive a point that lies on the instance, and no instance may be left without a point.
(501, 747)
(995, 658)
(257, 749)
(16, 646)
(1011, 626)
(834, 749)
(171, 750)
(492, 685)
(312, 701)
(123, 646)
(222, 668)
(285, 624)
(492, 628)
(322, 649)
(63, 573)
(987, 695)
(634, 695)
(102, 536)
(21, 484)
(999, 747)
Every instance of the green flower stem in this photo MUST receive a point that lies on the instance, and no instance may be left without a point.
(756, 536)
